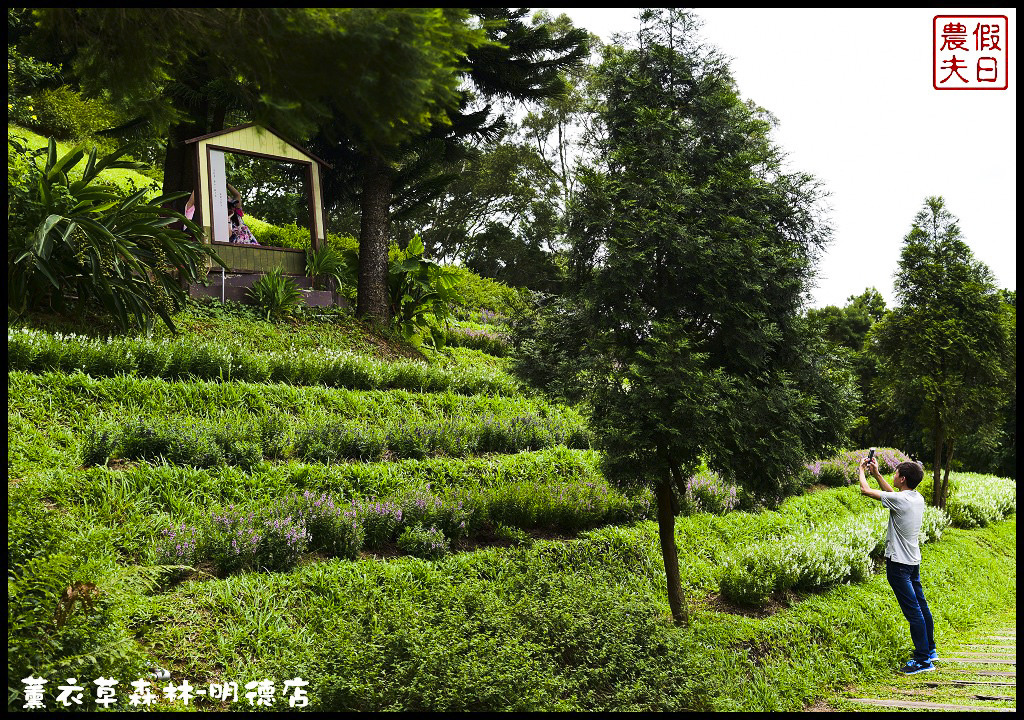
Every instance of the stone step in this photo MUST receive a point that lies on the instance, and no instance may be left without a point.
(1009, 648)
(982, 654)
(984, 683)
(929, 705)
(976, 661)
(996, 673)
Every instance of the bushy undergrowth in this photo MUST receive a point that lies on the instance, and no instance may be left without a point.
(35, 351)
(706, 492)
(841, 469)
(559, 626)
(338, 442)
(274, 534)
(425, 542)
(483, 339)
(65, 604)
(980, 499)
(279, 422)
(817, 557)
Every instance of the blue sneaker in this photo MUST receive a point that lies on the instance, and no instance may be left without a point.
(933, 656)
(913, 667)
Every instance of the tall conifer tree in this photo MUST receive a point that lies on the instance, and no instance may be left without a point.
(687, 338)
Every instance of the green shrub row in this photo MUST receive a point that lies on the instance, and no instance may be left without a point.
(338, 442)
(274, 535)
(271, 536)
(80, 397)
(828, 554)
(178, 442)
(246, 441)
(579, 625)
(36, 351)
(487, 341)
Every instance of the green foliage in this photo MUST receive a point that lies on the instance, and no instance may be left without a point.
(236, 540)
(275, 191)
(705, 492)
(978, 500)
(276, 295)
(86, 239)
(286, 236)
(388, 71)
(181, 442)
(429, 543)
(25, 76)
(842, 468)
(483, 339)
(481, 293)
(945, 351)
(65, 614)
(423, 295)
(63, 113)
(575, 625)
(38, 352)
(811, 559)
(127, 179)
(686, 338)
(329, 264)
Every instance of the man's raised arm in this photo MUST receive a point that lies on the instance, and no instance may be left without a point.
(866, 489)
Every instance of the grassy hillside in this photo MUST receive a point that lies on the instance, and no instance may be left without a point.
(252, 501)
(120, 177)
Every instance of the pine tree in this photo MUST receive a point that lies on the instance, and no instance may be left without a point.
(687, 338)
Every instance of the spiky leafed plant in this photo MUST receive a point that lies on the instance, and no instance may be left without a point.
(72, 235)
(328, 263)
(276, 294)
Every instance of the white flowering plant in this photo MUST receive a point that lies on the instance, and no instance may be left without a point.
(979, 500)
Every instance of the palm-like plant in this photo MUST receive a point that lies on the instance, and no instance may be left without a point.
(77, 236)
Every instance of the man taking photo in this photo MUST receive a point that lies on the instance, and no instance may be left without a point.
(903, 554)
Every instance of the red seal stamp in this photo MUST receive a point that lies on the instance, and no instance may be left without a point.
(970, 52)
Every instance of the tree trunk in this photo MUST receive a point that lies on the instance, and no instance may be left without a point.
(945, 478)
(667, 534)
(178, 171)
(372, 289)
(938, 499)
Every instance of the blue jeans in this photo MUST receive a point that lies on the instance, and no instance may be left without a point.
(905, 581)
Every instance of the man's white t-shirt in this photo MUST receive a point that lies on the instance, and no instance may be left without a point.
(906, 511)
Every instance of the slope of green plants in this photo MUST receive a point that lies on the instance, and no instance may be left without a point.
(170, 509)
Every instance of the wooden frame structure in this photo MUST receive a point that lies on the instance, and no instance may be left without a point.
(211, 196)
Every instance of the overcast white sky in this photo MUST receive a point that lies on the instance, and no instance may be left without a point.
(852, 90)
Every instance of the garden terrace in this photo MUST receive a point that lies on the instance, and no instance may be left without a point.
(542, 579)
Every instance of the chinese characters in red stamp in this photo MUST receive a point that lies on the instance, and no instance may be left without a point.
(971, 52)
